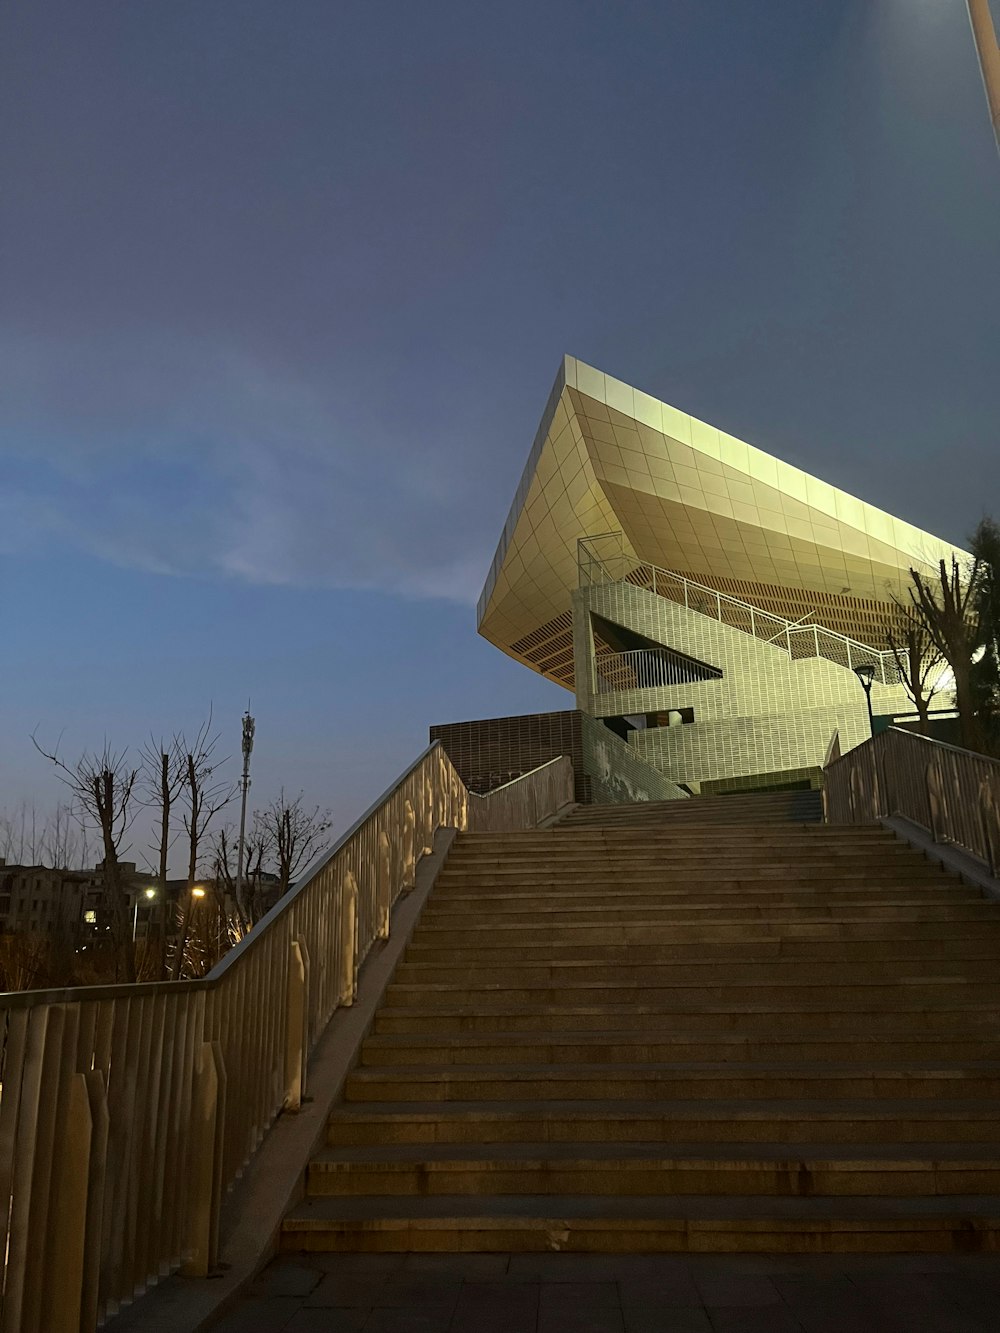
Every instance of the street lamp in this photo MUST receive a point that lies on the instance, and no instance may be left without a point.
(249, 727)
(866, 674)
(149, 895)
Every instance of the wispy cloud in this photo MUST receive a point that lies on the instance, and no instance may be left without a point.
(189, 459)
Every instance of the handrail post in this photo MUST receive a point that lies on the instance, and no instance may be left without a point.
(296, 1025)
(100, 1122)
(201, 1231)
(348, 987)
(933, 780)
(65, 1241)
(990, 820)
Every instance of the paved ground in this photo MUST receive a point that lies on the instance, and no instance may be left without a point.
(556, 1293)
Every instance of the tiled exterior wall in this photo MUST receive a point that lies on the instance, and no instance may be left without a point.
(792, 777)
(618, 773)
(768, 713)
(744, 746)
(606, 769)
(491, 751)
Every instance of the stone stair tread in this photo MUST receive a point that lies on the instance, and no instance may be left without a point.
(919, 1155)
(625, 1036)
(720, 983)
(647, 1010)
(688, 1068)
(661, 1108)
(321, 1209)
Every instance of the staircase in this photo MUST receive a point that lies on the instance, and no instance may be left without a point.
(682, 1026)
(787, 807)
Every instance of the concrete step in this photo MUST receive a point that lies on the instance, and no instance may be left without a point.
(565, 910)
(626, 836)
(513, 882)
(684, 814)
(686, 994)
(692, 837)
(910, 1015)
(667, 1122)
(710, 927)
(609, 1170)
(644, 1224)
(973, 943)
(701, 853)
(627, 1047)
(727, 1080)
(771, 971)
(594, 876)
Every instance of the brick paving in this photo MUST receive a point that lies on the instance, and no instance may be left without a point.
(571, 1293)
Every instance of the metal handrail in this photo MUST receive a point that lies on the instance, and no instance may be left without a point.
(646, 669)
(950, 793)
(852, 652)
(127, 1112)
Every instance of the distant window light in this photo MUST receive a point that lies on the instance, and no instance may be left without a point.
(90, 916)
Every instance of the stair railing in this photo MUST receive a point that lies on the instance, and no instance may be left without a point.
(950, 793)
(128, 1112)
(597, 567)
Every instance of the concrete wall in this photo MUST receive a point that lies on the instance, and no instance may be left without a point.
(618, 772)
(767, 714)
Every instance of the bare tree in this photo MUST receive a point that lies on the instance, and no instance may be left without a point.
(21, 835)
(919, 664)
(204, 793)
(946, 609)
(103, 787)
(161, 780)
(24, 960)
(248, 901)
(985, 546)
(298, 834)
(65, 839)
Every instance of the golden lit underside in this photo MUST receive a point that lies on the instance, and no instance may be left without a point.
(693, 500)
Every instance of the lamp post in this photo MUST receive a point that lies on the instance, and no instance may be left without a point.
(195, 895)
(249, 727)
(149, 895)
(988, 51)
(866, 674)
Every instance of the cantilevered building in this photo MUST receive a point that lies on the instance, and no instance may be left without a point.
(701, 596)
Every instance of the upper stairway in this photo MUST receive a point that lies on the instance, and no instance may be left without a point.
(641, 1030)
(787, 807)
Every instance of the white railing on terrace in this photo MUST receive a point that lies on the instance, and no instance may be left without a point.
(128, 1112)
(645, 669)
(600, 563)
(952, 794)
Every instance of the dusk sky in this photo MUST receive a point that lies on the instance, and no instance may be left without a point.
(285, 284)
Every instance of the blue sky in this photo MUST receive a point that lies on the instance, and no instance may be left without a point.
(283, 288)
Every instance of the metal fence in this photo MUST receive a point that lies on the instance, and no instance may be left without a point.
(647, 669)
(603, 560)
(127, 1112)
(952, 794)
